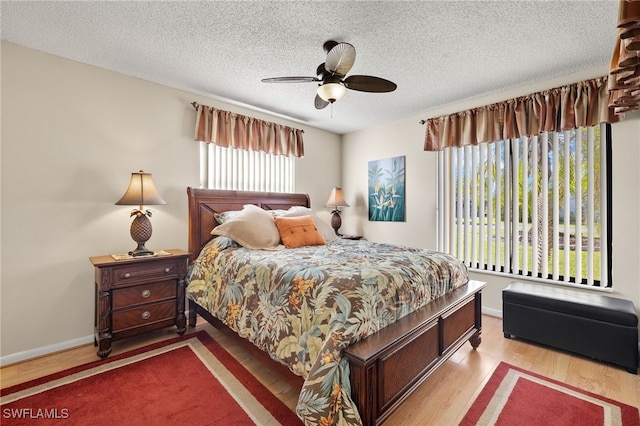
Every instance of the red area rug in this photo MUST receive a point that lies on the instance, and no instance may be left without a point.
(514, 396)
(187, 380)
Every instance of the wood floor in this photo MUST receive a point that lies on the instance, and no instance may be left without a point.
(442, 399)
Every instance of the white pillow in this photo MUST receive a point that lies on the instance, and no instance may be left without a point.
(325, 229)
(252, 228)
(278, 212)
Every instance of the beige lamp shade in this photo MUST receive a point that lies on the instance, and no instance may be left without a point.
(141, 191)
(336, 199)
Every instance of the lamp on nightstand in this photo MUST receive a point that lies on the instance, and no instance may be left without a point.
(141, 191)
(335, 201)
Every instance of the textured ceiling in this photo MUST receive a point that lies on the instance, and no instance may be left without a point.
(437, 52)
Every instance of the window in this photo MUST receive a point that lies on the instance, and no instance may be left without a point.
(534, 206)
(239, 169)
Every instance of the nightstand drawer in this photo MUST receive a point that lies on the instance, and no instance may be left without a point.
(127, 274)
(146, 314)
(144, 293)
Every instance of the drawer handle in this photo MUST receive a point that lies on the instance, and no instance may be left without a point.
(146, 315)
(167, 269)
(127, 275)
(146, 293)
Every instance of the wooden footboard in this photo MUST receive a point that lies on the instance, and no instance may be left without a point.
(387, 366)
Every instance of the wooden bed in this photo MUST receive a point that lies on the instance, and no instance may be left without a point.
(388, 365)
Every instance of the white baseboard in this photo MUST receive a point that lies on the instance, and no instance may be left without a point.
(44, 350)
(492, 312)
(48, 350)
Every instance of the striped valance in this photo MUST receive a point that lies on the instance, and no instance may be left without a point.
(228, 129)
(624, 71)
(585, 103)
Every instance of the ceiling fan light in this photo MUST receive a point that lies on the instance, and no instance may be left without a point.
(331, 92)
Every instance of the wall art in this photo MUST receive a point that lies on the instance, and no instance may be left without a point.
(386, 184)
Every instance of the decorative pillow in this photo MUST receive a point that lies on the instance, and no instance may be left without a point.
(252, 228)
(223, 217)
(325, 229)
(298, 231)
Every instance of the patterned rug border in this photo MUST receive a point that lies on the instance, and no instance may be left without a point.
(630, 414)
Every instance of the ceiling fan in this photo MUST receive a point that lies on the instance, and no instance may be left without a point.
(331, 76)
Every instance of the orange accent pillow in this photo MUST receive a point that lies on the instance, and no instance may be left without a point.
(298, 231)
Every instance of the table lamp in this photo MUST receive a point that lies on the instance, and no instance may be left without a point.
(141, 191)
(335, 201)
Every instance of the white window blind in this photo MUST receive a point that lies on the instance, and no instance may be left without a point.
(238, 169)
(533, 206)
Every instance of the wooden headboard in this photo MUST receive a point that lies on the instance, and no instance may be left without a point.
(203, 203)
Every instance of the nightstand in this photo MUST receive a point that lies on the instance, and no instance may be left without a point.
(137, 295)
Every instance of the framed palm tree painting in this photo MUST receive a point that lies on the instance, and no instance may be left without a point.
(386, 190)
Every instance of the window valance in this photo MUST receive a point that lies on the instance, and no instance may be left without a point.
(585, 103)
(624, 71)
(228, 129)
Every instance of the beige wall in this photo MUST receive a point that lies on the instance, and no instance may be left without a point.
(406, 137)
(71, 136)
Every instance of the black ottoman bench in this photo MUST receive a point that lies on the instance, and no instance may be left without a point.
(597, 326)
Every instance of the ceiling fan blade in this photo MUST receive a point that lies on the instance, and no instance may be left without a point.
(328, 45)
(340, 58)
(320, 103)
(367, 83)
(289, 80)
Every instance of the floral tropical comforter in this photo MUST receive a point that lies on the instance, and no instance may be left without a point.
(304, 306)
